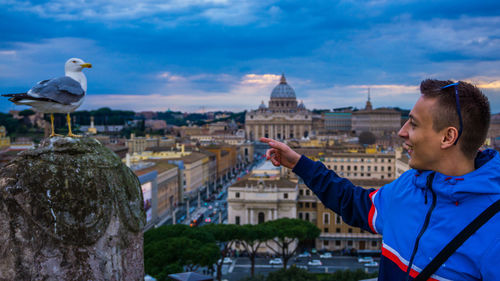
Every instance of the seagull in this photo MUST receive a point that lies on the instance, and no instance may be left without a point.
(58, 95)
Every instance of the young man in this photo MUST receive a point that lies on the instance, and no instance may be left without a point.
(419, 213)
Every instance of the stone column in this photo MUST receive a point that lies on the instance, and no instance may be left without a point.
(70, 210)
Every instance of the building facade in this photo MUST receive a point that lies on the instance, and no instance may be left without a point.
(282, 119)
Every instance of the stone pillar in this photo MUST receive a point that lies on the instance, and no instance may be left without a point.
(251, 216)
(70, 210)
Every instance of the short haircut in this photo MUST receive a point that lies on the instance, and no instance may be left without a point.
(474, 106)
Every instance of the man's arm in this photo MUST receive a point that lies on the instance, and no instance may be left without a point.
(353, 203)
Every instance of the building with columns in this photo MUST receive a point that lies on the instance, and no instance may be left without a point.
(282, 119)
(262, 196)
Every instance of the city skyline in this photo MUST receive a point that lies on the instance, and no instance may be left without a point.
(228, 55)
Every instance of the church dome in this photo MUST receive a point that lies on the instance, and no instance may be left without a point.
(283, 90)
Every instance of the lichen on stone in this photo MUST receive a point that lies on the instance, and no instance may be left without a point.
(71, 187)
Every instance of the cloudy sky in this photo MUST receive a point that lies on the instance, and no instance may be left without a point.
(195, 55)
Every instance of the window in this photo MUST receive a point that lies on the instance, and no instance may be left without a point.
(355, 168)
(261, 217)
(325, 243)
(349, 230)
(362, 174)
(307, 204)
(341, 167)
(308, 192)
(337, 242)
(374, 243)
(326, 218)
(307, 216)
(285, 195)
(337, 230)
(237, 195)
(375, 168)
(237, 218)
(349, 167)
(313, 204)
(382, 168)
(362, 168)
(300, 205)
(369, 168)
(349, 243)
(300, 215)
(338, 219)
(325, 230)
(301, 192)
(388, 168)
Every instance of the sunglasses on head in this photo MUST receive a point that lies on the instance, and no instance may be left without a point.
(455, 85)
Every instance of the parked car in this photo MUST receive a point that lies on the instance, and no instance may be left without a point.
(226, 260)
(326, 255)
(314, 263)
(372, 264)
(304, 255)
(276, 261)
(314, 251)
(365, 259)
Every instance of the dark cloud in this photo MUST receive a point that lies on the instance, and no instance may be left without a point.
(322, 43)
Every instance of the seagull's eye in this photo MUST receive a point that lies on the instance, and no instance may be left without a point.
(74, 61)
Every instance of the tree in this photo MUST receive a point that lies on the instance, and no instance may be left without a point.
(288, 231)
(292, 274)
(225, 235)
(367, 138)
(178, 245)
(251, 237)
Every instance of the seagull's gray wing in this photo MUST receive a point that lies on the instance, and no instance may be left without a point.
(64, 90)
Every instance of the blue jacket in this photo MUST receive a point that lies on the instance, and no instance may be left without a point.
(419, 218)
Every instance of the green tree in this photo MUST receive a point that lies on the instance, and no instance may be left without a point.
(251, 237)
(287, 235)
(292, 274)
(178, 244)
(225, 236)
(367, 138)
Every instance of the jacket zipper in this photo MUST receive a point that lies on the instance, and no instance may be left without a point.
(426, 223)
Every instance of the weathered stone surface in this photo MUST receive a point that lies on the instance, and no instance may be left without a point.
(70, 210)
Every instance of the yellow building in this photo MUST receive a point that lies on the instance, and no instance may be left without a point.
(4, 139)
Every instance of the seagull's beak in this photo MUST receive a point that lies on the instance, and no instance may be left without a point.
(88, 65)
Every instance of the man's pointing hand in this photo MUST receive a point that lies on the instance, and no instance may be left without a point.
(280, 153)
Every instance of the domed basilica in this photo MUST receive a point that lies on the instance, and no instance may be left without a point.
(282, 119)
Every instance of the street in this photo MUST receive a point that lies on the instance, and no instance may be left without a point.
(240, 267)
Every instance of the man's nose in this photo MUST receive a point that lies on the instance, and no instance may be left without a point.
(403, 132)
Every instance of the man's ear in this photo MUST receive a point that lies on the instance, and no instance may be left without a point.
(450, 134)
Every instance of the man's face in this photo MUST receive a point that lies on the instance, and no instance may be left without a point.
(420, 140)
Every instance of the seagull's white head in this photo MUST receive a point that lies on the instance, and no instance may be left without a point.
(75, 65)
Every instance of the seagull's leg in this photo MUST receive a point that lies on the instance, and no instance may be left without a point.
(52, 133)
(70, 134)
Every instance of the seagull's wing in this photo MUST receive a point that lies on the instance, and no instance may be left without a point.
(64, 90)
